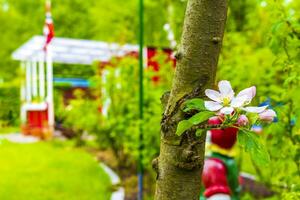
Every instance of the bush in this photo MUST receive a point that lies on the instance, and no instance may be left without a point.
(10, 106)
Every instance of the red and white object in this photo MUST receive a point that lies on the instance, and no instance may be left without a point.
(215, 172)
(49, 26)
(224, 138)
(214, 178)
(37, 113)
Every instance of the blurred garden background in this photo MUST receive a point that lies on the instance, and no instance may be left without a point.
(96, 105)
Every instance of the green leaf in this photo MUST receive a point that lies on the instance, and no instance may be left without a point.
(253, 145)
(277, 26)
(199, 132)
(183, 126)
(194, 120)
(275, 45)
(253, 117)
(200, 117)
(194, 104)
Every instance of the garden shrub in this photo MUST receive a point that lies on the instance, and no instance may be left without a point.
(10, 106)
(266, 53)
(121, 121)
(113, 112)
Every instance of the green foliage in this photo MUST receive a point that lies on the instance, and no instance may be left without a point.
(265, 52)
(81, 113)
(201, 117)
(251, 143)
(199, 132)
(194, 104)
(291, 196)
(183, 126)
(106, 20)
(117, 127)
(196, 119)
(119, 84)
(72, 71)
(252, 117)
(9, 106)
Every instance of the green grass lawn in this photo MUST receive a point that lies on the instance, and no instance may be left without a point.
(50, 171)
(9, 129)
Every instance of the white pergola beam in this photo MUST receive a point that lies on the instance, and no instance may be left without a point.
(73, 51)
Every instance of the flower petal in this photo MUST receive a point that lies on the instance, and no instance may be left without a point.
(213, 95)
(255, 109)
(226, 89)
(212, 105)
(226, 110)
(267, 115)
(248, 93)
(238, 102)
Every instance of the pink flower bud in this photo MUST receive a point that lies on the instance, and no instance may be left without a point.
(267, 116)
(242, 120)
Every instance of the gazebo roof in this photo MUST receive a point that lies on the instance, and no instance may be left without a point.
(72, 51)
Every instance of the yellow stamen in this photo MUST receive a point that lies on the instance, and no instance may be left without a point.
(226, 101)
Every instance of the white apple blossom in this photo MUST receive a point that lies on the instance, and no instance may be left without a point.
(220, 99)
(225, 102)
(244, 98)
(254, 109)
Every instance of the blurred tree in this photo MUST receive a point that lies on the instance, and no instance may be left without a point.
(18, 22)
(108, 20)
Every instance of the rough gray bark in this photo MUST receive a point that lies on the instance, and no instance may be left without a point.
(180, 162)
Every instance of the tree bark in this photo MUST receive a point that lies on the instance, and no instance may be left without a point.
(180, 162)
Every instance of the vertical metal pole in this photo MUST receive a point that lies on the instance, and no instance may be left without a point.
(141, 99)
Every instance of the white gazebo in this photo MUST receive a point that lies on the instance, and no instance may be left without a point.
(37, 84)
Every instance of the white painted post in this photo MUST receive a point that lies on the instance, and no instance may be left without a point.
(23, 89)
(34, 78)
(50, 87)
(22, 92)
(41, 77)
(28, 82)
(106, 102)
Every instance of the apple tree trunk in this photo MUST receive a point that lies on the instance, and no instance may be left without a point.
(180, 162)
